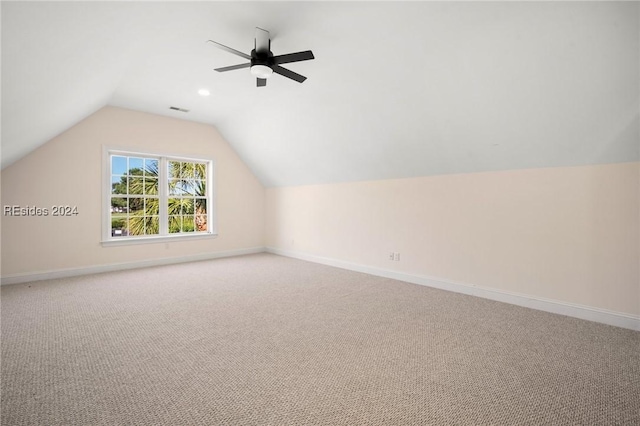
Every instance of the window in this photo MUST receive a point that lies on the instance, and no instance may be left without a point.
(154, 196)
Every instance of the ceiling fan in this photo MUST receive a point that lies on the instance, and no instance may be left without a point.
(263, 64)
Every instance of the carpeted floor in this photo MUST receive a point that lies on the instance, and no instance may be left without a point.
(268, 340)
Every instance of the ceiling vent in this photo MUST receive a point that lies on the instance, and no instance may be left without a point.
(179, 109)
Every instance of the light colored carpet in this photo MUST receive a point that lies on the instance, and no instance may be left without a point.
(268, 340)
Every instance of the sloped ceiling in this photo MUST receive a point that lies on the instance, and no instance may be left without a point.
(396, 89)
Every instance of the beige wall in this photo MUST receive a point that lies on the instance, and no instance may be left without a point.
(566, 234)
(68, 170)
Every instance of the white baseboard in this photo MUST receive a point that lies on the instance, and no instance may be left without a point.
(64, 273)
(617, 319)
(554, 306)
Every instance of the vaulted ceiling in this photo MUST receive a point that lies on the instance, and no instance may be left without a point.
(396, 89)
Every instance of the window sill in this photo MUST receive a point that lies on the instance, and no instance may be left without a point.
(125, 241)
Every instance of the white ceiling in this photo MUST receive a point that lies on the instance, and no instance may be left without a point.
(396, 89)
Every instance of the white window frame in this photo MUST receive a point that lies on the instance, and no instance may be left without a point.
(164, 236)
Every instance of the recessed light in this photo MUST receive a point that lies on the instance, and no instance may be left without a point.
(203, 92)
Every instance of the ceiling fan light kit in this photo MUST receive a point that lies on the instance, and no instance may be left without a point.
(261, 71)
(262, 61)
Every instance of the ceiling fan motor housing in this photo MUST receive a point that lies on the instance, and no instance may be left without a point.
(262, 58)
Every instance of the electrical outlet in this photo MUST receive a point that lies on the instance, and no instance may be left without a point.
(396, 257)
(392, 255)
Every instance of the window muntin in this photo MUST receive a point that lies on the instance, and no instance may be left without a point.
(155, 196)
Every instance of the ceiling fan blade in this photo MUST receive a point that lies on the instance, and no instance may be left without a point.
(263, 42)
(288, 73)
(261, 82)
(230, 50)
(233, 67)
(293, 57)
